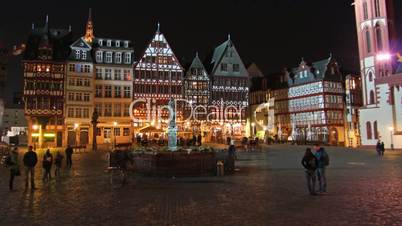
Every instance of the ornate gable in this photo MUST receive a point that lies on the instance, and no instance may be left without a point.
(159, 56)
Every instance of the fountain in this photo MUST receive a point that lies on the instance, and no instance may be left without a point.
(172, 130)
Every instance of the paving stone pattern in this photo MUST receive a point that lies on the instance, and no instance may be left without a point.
(269, 189)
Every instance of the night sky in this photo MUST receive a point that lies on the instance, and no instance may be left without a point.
(273, 33)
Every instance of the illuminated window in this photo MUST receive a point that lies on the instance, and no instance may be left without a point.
(127, 58)
(99, 56)
(108, 57)
(118, 58)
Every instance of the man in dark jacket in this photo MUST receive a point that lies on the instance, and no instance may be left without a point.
(323, 162)
(69, 155)
(310, 163)
(30, 160)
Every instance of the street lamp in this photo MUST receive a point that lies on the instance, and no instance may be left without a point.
(391, 130)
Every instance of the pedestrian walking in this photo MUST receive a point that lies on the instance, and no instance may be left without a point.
(47, 165)
(378, 148)
(13, 165)
(310, 164)
(323, 162)
(57, 162)
(69, 154)
(382, 148)
(30, 160)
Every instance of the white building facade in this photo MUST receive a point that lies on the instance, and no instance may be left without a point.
(381, 114)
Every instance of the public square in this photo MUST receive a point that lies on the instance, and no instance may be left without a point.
(268, 189)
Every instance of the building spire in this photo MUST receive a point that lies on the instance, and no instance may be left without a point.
(89, 31)
(33, 26)
(158, 29)
(47, 19)
(229, 36)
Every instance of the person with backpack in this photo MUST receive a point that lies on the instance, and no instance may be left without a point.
(30, 160)
(57, 162)
(310, 163)
(11, 162)
(323, 162)
(47, 165)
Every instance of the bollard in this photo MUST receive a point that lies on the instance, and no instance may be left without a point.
(220, 171)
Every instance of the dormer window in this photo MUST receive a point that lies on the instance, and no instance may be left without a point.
(77, 54)
(84, 55)
(125, 44)
(109, 43)
(100, 42)
(117, 43)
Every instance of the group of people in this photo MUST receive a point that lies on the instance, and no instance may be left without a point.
(30, 160)
(380, 148)
(315, 166)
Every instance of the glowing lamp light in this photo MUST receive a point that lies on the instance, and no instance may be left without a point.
(35, 135)
(49, 135)
(253, 124)
(76, 125)
(35, 127)
(384, 57)
(114, 123)
(391, 129)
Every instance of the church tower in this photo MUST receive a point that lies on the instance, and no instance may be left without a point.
(375, 32)
(89, 31)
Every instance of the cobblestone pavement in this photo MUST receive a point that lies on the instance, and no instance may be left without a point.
(269, 189)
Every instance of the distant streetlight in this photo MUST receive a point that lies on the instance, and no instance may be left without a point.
(391, 130)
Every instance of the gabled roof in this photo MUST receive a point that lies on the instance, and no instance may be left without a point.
(81, 43)
(254, 71)
(220, 56)
(58, 40)
(159, 51)
(316, 71)
(199, 65)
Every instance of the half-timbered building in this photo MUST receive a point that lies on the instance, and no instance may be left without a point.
(158, 76)
(312, 108)
(229, 92)
(44, 64)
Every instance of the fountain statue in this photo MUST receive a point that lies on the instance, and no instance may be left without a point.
(172, 129)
